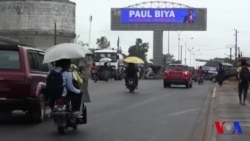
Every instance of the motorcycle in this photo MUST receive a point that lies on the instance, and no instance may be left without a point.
(64, 117)
(94, 74)
(200, 80)
(131, 85)
(106, 75)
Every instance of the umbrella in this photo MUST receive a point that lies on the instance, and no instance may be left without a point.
(65, 51)
(105, 60)
(134, 60)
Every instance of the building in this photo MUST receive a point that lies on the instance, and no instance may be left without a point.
(35, 22)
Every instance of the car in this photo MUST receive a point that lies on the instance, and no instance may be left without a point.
(177, 74)
(22, 78)
(230, 71)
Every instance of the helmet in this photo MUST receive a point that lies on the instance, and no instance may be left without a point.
(73, 66)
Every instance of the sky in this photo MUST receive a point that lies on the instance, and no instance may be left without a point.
(223, 17)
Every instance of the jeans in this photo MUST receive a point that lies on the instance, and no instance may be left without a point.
(76, 100)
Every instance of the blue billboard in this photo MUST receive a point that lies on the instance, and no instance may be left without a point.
(158, 15)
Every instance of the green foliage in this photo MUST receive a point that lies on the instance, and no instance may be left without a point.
(139, 49)
(103, 42)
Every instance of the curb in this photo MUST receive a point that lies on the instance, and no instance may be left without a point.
(201, 130)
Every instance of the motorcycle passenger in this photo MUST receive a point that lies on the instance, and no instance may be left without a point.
(77, 80)
(69, 90)
(131, 72)
(200, 72)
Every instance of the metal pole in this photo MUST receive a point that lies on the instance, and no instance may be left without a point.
(168, 42)
(181, 53)
(90, 21)
(55, 35)
(185, 53)
(190, 56)
(230, 55)
(179, 46)
(236, 46)
(179, 40)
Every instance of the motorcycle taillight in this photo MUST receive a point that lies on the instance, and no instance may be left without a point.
(60, 101)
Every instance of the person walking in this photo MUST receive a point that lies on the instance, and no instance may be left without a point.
(244, 77)
(84, 74)
(221, 73)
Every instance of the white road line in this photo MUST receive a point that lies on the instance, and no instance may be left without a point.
(214, 92)
(183, 112)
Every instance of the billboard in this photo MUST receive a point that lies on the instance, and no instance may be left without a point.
(160, 16)
(166, 19)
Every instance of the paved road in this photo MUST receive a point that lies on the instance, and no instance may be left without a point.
(152, 113)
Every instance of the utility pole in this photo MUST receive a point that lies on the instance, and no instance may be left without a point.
(90, 21)
(118, 44)
(179, 40)
(239, 52)
(55, 35)
(236, 44)
(168, 42)
(181, 53)
(230, 55)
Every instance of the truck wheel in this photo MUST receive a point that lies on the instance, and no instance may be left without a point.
(37, 110)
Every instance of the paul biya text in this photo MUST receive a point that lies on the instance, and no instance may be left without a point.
(148, 14)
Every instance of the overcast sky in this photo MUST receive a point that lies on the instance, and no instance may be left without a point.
(223, 17)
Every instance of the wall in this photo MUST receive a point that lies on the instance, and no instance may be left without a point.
(33, 22)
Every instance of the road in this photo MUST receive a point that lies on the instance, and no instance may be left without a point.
(152, 113)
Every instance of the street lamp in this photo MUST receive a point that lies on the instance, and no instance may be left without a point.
(190, 51)
(186, 41)
(179, 40)
(196, 58)
(90, 21)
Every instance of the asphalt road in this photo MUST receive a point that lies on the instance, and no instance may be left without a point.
(151, 113)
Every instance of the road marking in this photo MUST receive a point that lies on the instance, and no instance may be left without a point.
(214, 92)
(183, 112)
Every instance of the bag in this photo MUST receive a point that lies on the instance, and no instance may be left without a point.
(244, 74)
(54, 84)
(221, 70)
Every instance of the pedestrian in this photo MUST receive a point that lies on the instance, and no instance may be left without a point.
(84, 74)
(221, 73)
(244, 77)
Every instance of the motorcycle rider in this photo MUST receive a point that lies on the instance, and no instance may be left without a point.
(69, 90)
(200, 72)
(131, 72)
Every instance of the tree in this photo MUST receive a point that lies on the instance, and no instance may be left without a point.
(139, 49)
(103, 42)
(168, 58)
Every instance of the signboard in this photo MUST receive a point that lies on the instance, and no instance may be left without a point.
(162, 15)
(163, 19)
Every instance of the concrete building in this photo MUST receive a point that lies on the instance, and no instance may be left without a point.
(32, 22)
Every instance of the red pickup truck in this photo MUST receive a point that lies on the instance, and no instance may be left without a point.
(22, 77)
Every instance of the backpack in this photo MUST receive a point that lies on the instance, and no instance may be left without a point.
(244, 74)
(221, 70)
(54, 84)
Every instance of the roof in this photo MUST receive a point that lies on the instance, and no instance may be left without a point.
(226, 64)
(105, 50)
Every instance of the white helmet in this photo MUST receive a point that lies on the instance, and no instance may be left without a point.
(73, 66)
